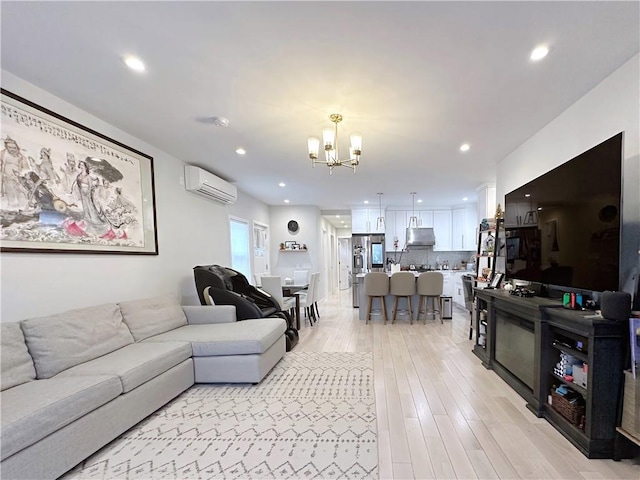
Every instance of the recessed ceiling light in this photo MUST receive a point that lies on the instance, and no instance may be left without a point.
(539, 208)
(464, 147)
(366, 201)
(286, 201)
(282, 184)
(341, 221)
(464, 199)
(240, 151)
(539, 52)
(527, 195)
(419, 200)
(134, 63)
(337, 216)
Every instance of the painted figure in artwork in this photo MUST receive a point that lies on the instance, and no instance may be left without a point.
(44, 168)
(40, 197)
(69, 171)
(86, 184)
(12, 165)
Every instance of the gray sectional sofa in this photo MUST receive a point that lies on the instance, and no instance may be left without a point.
(74, 381)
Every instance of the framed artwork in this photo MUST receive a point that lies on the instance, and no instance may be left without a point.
(289, 245)
(495, 281)
(69, 189)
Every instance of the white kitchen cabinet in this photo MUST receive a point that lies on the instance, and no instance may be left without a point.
(447, 284)
(464, 223)
(425, 218)
(363, 220)
(458, 290)
(398, 229)
(360, 221)
(442, 230)
(389, 228)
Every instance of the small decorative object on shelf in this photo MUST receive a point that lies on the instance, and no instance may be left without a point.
(291, 246)
(499, 212)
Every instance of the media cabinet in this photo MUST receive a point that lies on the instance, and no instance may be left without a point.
(522, 340)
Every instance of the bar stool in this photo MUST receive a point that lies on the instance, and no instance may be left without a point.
(430, 285)
(402, 285)
(376, 285)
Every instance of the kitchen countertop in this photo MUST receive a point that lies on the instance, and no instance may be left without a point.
(416, 273)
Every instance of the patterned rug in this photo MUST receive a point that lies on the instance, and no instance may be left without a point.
(313, 416)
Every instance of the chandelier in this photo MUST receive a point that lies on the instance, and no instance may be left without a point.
(330, 141)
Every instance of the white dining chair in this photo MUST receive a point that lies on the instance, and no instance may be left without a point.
(307, 300)
(273, 286)
(300, 277)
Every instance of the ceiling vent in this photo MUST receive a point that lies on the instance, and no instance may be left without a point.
(207, 185)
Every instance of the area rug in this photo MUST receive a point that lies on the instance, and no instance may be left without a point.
(313, 416)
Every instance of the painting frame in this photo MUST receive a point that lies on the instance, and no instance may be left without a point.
(101, 201)
(289, 244)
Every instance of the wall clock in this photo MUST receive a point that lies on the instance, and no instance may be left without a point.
(293, 226)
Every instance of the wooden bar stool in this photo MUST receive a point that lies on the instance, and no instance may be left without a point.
(376, 285)
(430, 285)
(402, 285)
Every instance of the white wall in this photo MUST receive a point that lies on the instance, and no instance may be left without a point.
(308, 218)
(611, 107)
(191, 231)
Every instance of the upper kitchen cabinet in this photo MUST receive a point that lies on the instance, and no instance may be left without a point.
(396, 224)
(463, 228)
(363, 220)
(442, 230)
(423, 217)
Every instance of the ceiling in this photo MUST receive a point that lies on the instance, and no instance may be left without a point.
(416, 79)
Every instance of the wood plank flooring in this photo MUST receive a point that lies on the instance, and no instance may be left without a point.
(440, 413)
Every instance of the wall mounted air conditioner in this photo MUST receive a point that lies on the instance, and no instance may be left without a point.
(207, 185)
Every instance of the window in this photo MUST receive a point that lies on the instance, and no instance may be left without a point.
(240, 259)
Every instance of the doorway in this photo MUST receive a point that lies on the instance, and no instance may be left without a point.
(344, 263)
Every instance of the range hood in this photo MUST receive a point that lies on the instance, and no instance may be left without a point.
(420, 237)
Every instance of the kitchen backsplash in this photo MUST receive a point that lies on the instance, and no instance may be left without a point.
(426, 256)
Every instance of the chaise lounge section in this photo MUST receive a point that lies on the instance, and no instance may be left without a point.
(74, 381)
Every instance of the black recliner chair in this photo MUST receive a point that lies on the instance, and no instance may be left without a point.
(227, 286)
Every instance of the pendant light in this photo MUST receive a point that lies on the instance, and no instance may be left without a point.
(380, 226)
(413, 220)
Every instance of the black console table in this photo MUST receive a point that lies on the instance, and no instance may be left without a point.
(524, 339)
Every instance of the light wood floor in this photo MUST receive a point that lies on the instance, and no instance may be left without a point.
(440, 413)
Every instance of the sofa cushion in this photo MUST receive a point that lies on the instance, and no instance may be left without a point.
(134, 364)
(152, 316)
(61, 341)
(33, 410)
(17, 364)
(239, 338)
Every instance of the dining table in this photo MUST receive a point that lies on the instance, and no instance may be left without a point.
(293, 290)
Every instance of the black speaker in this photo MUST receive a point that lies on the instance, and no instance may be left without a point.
(615, 306)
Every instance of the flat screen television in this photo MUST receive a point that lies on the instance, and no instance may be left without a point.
(563, 228)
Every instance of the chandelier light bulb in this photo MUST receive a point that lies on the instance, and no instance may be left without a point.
(314, 147)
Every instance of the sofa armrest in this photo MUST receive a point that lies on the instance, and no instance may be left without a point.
(206, 314)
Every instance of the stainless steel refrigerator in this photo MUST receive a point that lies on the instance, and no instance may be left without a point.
(368, 256)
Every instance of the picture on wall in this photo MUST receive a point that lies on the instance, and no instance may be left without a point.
(66, 188)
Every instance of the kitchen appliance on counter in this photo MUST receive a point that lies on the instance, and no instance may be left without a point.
(368, 256)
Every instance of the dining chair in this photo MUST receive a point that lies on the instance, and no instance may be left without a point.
(308, 300)
(273, 286)
(300, 277)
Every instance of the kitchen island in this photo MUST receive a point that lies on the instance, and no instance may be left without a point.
(450, 289)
